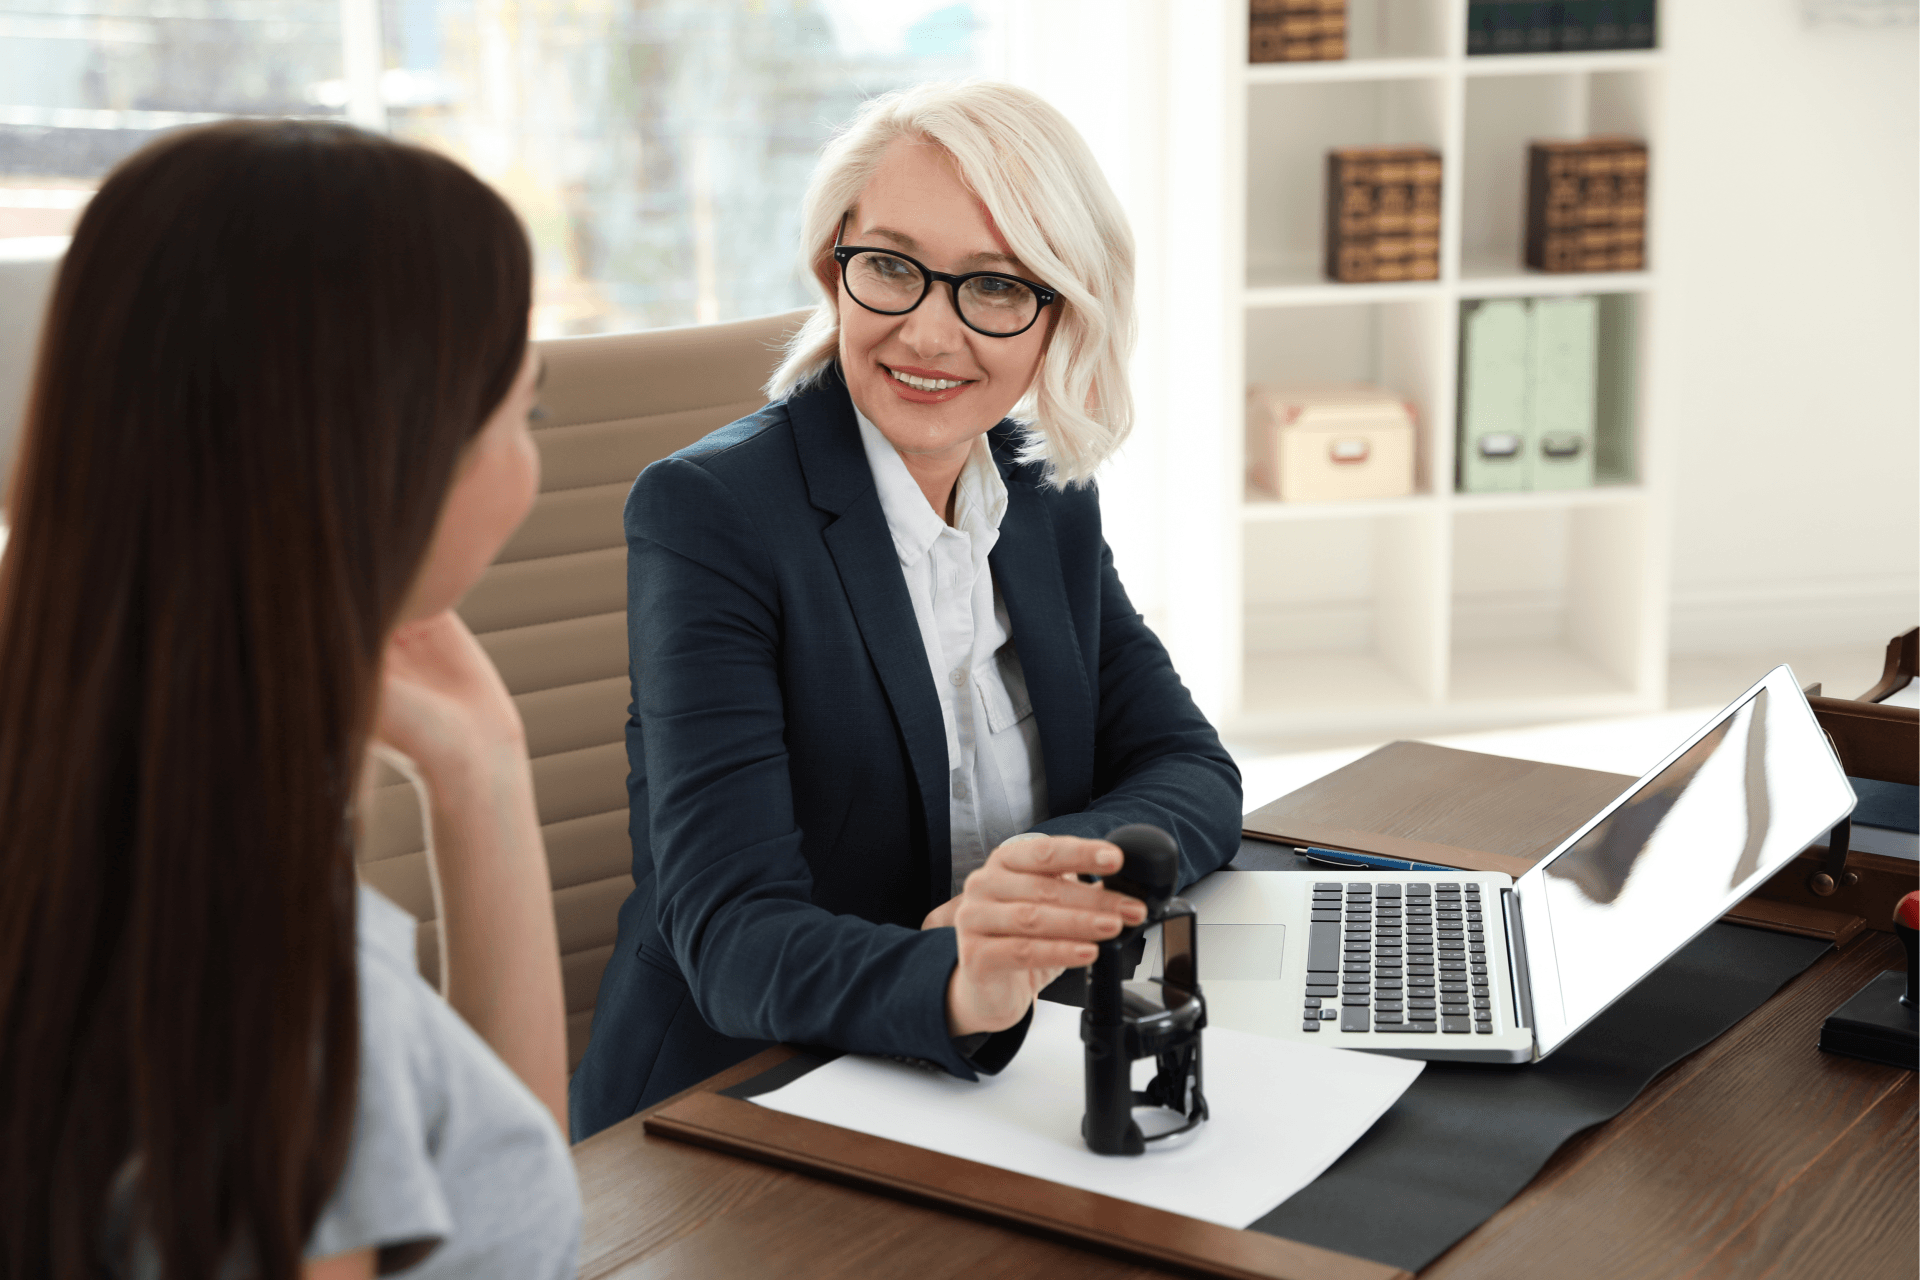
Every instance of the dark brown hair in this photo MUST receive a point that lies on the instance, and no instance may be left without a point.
(268, 346)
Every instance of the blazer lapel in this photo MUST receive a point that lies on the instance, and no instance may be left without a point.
(1026, 566)
(839, 482)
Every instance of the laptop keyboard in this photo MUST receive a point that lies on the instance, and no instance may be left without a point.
(1410, 959)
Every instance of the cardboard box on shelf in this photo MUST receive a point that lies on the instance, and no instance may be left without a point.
(1328, 443)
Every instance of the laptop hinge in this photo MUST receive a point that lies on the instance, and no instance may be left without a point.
(1517, 959)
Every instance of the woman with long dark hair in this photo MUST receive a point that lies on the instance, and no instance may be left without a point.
(278, 427)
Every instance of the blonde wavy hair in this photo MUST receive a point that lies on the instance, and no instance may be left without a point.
(1049, 199)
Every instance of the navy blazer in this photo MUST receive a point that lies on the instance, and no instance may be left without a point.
(789, 774)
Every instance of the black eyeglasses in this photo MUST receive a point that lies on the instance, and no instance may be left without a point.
(890, 283)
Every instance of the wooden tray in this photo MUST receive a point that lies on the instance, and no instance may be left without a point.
(709, 1119)
(1425, 803)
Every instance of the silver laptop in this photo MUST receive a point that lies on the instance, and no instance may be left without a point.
(1476, 966)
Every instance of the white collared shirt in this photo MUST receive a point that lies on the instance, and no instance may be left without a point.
(996, 781)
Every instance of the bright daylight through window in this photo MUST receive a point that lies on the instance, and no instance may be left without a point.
(657, 149)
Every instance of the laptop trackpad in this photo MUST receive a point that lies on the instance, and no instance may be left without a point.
(1241, 951)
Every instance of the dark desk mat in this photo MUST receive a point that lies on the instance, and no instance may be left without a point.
(1466, 1138)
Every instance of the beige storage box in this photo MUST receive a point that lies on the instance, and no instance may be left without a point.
(1323, 444)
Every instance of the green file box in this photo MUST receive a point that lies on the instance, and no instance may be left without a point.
(1496, 447)
(1564, 362)
(1613, 426)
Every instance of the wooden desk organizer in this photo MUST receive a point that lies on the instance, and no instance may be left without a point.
(1879, 743)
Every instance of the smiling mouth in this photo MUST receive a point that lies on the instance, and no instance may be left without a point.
(926, 384)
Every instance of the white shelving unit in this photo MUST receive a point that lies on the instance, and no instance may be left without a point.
(1440, 610)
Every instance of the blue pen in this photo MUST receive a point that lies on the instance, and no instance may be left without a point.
(1366, 861)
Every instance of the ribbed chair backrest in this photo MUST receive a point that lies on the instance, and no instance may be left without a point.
(551, 611)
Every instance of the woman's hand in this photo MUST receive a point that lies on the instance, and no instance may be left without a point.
(941, 917)
(1024, 918)
(443, 705)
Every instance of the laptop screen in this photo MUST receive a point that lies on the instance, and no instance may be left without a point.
(1714, 820)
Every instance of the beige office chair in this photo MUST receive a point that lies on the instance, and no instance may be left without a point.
(552, 613)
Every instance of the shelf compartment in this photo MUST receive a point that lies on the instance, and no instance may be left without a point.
(1504, 114)
(1355, 599)
(1290, 128)
(1393, 344)
(1547, 603)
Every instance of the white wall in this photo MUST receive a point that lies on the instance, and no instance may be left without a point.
(1102, 63)
(1788, 342)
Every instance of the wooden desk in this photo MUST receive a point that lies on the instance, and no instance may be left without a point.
(1757, 1156)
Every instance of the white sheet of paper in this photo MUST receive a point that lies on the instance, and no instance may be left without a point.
(1281, 1114)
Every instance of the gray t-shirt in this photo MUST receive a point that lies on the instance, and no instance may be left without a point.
(454, 1168)
(452, 1156)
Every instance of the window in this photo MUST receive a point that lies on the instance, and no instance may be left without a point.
(85, 82)
(656, 149)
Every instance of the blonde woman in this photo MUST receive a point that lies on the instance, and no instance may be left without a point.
(888, 690)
